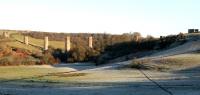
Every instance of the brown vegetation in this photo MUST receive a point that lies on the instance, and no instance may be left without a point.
(105, 47)
(16, 56)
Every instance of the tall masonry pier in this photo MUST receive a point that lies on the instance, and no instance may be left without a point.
(26, 40)
(90, 42)
(67, 43)
(46, 43)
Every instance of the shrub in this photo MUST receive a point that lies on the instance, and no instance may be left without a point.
(102, 59)
(47, 58)
(5, 51)
(4, 62)
(139, 64)
(28, 61)
(77, 54)
(10, 60)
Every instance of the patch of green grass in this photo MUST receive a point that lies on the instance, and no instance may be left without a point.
(22, 46)
(17, 72)
(29, 74)
(40, 42)
(33, 41)
(9, 31)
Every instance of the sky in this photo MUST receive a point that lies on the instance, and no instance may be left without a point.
(149, 17)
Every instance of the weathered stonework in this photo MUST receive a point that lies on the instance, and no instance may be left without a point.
(26, 40)
(46, 43)
(90, 42)
(67, 44)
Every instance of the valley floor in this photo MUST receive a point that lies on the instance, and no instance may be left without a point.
(87, 79)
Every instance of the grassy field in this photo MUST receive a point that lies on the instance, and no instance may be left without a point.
(33, 41)
(40, 42)
(13, 43)
(38, 74)
(9, 31)
(17, 44)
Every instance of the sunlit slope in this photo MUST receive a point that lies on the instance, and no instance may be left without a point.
(39, 42)
(181, 62)
(192, 44)
(17, 44)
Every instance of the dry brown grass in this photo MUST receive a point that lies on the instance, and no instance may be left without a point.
(67, 74)
(176, 62)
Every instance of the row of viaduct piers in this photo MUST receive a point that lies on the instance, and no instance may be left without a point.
(67, 42)
(46, 41)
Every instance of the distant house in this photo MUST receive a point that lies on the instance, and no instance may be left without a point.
(193, 31)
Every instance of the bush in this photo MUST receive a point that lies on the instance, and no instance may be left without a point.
(102, 59)
(4, 62)
(28, 61)
(10, 60)
(139, 64)
(77, 54)
(146, 64)
(47, 58)
(5, 51)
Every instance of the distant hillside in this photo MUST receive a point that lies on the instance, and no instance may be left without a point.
(106, 46)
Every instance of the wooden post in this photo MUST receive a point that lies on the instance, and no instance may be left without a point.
(46, 43)
(90, 42)
(26, 40)
(67, 43)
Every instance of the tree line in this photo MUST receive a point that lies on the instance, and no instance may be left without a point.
(106, 46)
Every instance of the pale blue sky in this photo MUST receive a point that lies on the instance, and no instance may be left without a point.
(154, 17)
